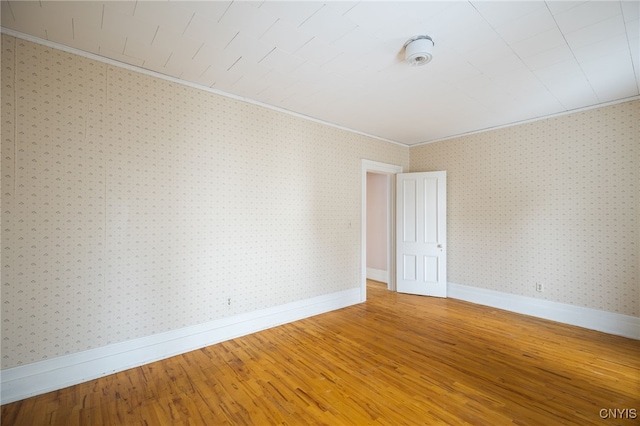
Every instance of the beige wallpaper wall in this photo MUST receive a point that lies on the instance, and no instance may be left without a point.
(132, 205)
(554, 201)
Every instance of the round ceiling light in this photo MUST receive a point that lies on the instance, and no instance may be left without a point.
(417, 50)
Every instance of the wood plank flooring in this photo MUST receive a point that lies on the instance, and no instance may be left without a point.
(394, 360)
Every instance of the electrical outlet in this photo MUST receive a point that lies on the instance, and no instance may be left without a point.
(229, 301)
(539, 287)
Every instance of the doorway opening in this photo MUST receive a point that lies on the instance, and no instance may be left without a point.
(378, 227)
(388, 171)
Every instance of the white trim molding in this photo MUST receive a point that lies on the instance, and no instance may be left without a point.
(45, 376)
(378, 275)
(530, 120)
(607, 322)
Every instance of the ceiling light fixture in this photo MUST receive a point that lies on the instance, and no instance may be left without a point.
(417, 50)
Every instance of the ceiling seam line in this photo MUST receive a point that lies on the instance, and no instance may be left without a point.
(224, 13)
(572, 54)
(312, 15)
(633, 65)
(521, 60)
(11, 10)
(188, 23)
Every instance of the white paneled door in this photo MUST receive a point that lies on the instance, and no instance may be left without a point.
(421, 233)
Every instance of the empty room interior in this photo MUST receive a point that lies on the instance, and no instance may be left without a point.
(301, 212)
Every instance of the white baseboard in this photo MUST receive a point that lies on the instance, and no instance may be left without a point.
(378, 275)
(608, 322)
(44, 376)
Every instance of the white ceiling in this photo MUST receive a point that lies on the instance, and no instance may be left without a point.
(495, 62)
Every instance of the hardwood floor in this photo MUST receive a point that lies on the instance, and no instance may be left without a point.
(397, 359)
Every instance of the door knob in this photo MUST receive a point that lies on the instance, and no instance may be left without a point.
(439, 246)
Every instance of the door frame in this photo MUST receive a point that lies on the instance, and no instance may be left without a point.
(390, 170)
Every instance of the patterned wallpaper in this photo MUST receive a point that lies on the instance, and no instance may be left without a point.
(132, 205)
(555, 202)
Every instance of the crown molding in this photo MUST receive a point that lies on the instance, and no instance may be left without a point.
(530, 120)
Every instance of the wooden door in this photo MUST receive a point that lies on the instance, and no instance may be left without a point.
(421, 233)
